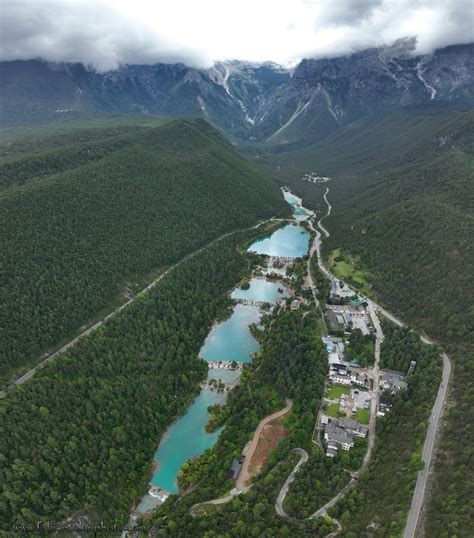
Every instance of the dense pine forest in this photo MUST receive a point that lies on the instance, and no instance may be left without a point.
(290, 364)
(93, 214)
(90, 215)
(402, 196)
(403, 203)
(80, 436)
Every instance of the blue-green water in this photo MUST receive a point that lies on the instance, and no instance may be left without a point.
(289, 241)
(185, 439)
(291, 198)
(294, 201)
(300, 212)
(231, 340)
(261, 290)
(224, 374)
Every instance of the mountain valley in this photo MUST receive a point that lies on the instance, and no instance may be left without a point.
(147, 209)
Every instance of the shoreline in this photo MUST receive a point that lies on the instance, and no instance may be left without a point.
(155, 491)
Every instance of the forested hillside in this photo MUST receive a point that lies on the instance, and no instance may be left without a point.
(402, 191)
(88, 216)
(403, 196)
(80, 436)
(289, 365)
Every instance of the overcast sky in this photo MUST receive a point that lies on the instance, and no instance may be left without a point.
(108, 33)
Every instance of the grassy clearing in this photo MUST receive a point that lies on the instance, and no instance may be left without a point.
(332, 410)
(347, 267)
(363, 416)
(336, 391)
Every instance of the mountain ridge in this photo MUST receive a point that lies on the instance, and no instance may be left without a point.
(99, 217)
(262, 102)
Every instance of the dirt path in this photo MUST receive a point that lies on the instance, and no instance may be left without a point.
(244, 473)
(243, 476)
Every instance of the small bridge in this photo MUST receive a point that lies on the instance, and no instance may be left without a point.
(249, 302)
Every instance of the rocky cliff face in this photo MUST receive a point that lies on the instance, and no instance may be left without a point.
(324, 94)
(247, 101)
(35, 91)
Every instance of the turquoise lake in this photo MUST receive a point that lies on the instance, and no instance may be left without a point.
(291, 198)
(185, 439)
(301, 212)
(261, 290)
(289, 241)
(231, 340)
(294, 201)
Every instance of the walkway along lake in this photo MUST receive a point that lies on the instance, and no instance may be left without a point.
(230, 340)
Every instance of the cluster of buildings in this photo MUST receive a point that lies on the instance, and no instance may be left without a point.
(341, 371)
(342, 433)
(314, 178)
(349, 393)
(353, 316)
(347, 375)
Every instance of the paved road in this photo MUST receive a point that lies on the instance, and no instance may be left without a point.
(244, 472)
(221, 500)
(28, 375)
(428, 447)
(240, 486)
(374, 397)
(321, 227)
(420, 488)
(289, 480)
(322, 512)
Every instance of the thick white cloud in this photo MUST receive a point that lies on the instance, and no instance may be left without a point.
(108, 33)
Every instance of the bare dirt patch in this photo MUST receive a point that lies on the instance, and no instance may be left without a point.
(271, 435)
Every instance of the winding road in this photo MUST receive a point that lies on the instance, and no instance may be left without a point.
(284, 490)
(436, 412)
(320, 226)
(240, 486)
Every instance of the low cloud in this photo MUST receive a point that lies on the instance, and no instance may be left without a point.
(107, 34)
